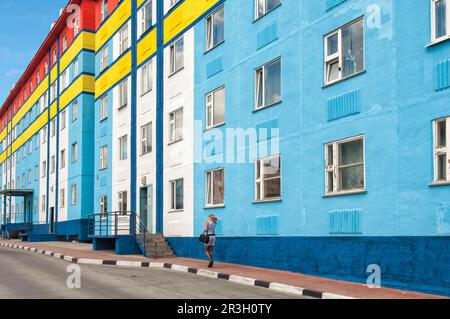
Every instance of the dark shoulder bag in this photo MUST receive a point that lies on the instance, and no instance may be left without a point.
(204, 238)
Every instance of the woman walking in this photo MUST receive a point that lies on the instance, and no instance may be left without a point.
(210, 231)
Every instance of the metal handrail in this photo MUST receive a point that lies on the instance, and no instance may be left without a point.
(139, 224)
(108, 224)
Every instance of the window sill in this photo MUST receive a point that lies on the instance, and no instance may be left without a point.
(274, 200)
(439, 184)
(438, 41)
(345, 193)
(325, 85)
(174, 142)
(214, 206)
(214, 47)
(267, 106)
(214, 126)
(122, 107)
(175, 211)
(176, 72)
(146, 92)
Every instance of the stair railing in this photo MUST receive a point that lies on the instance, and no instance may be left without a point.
(141, 229)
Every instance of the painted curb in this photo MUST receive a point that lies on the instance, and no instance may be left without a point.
(201, 272)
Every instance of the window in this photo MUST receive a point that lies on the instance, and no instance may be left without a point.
(215, 29)
(104, 10)
(123, 148)
(176, 195)
(146, 139)
(215, 187)
(441, 150)
(173, 2)
(177, 56)
(55, 56)
(53, 92)
(29, 176)
(104, 206)
(53, 127)
(44, 134)
(440, 19)
(62, 199)
(344, 52)
(36, 172)
(64, 43)
(268, 178)
(45, 67)
(176, 126)
(73, 191)
(103, 157)
(215, 108)
(76, 26)
(123, 93)
(104, 108)
(123, 201)
(44, 169)
(64, 80)
(18, 181)
(268, 84)
(74, 111)
(76, 68)
(38, 77)
(62, 118)
(63, 159)
(147, 14)
(74, 152)
(52, 164)
(104, 56)
(43, 203)
(146, 78)
(123, 39)
(345, 166)
(262, 7)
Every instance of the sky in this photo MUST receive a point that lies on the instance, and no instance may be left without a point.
(23, 27)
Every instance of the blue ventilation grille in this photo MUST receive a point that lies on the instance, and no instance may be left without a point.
(343, 105)
(214, 67)
(345, 221)
(267, 36)
(442, 78)
(267, 225)
(331, 4)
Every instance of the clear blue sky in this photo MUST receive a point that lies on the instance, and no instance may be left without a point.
(24, 25)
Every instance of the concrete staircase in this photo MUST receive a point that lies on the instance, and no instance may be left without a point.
(156, 246)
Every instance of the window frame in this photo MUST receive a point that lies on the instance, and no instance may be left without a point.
(173, 67)
(73, 195)
(335, 167)
(124, 36)
(123, 146)
(103, 157)
(209, 188)
(146, 138)
(338, 56)
(103, 206)
(257, 16)
(211, 105)
(147, 78)
(435, 39)
(441, 150)
(173, 127)
(122, 197)
(173, 195)
(262, 70)
(104, 108)
(210, 23)
(258, 179)
(123, 94)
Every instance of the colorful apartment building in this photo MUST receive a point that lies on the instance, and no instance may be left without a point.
(316, 131)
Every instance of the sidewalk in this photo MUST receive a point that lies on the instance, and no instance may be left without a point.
(263, 277)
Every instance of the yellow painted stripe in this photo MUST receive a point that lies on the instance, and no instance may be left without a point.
(53, 110)
(120, 15)
(113, 75)
(184, 15)
(53, 74)
(3, 134)
(34, 98)
(84, 83)
(146, 47)
(139, 2)
(86, 40)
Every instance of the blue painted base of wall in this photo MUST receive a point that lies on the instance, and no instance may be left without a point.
(73, 228)
(122, 245)
(35, 238)
(410, 263)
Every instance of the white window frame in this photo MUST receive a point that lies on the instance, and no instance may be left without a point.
(43, 203)
(338, 57)
(63, 159)
(147, 78)
(209, 188)
(260, 75)
(173, 195)
(122, 197)
(124, 42)
(435, 39)
(264, 2)
(76, 26)
(103, 157)
(104, 108)
(335, 167)
(74, 152)
(210, 108)
(62, 118)
(123, 94)
(104, 58)
(103, 206)
(260, 181)
(441, 150)
(76, 68)
(73, 192)
(145, 16)
(104, 10)
(62, 199)
(44, 169)
(64, 43)
(174, 68)
(210, 23)
(123, 147)
(146, 138)
(74, 110)
(173, 136)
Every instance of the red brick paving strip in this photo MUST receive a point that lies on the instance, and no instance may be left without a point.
(338, 287)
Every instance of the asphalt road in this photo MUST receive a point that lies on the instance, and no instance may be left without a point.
(30, 275)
